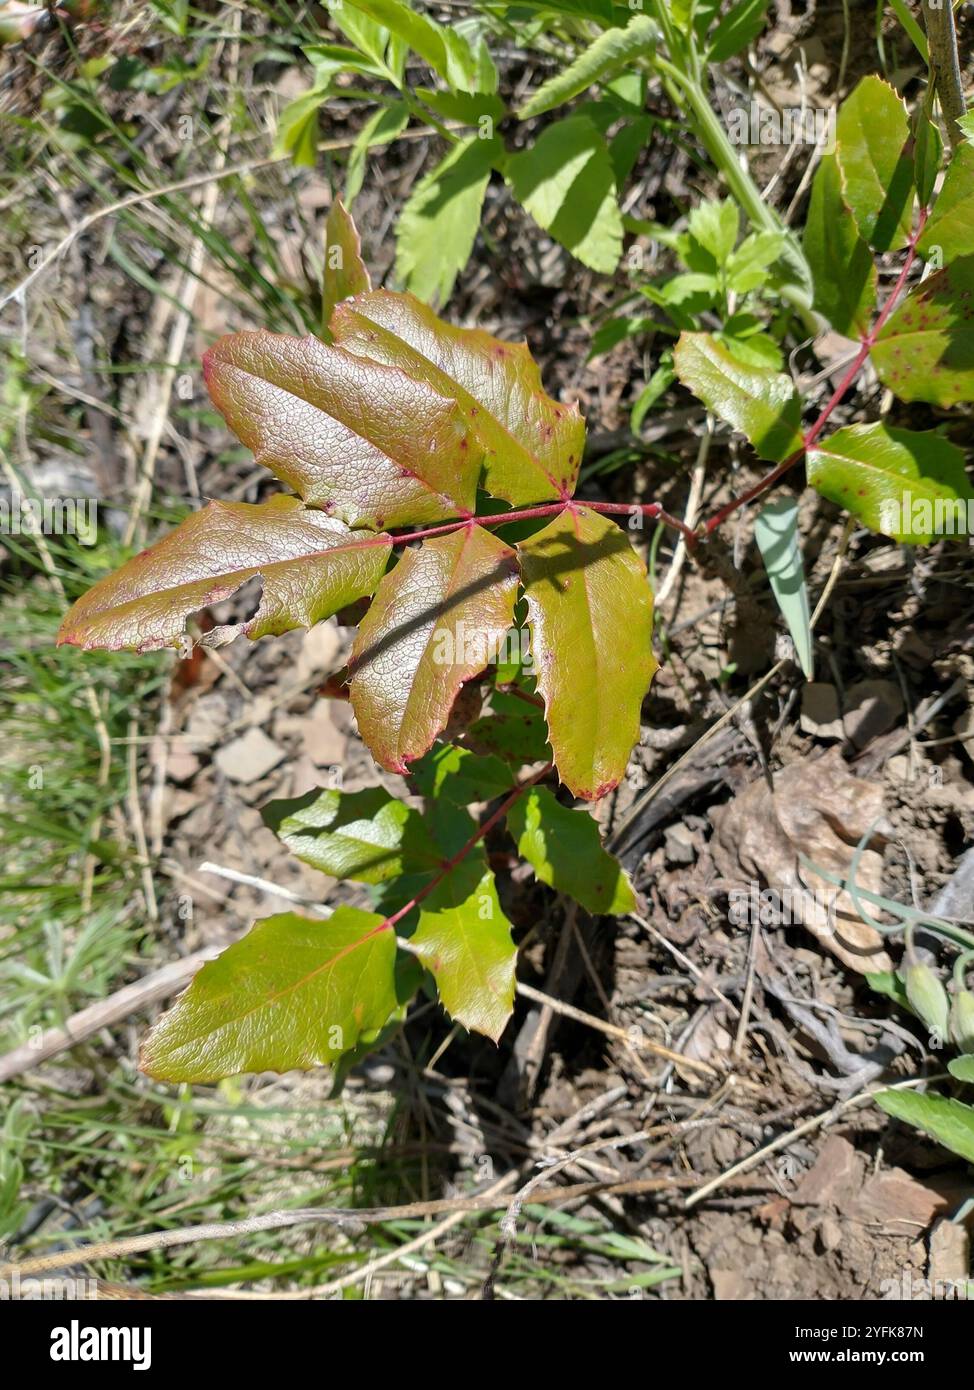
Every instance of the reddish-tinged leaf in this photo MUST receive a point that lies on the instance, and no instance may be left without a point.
(531, 445)
(291, 993)
(908, 485)
(464, 939)
(362, 440)
(590, 611)
(926, 350)
(344, 272)
(437, 619)
(310, 565)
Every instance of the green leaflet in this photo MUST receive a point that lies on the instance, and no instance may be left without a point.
(443, 48)
(604, 55)
(925, 352)
(513, 730)
(715, 225)
(877, 172)
(841, 263)
(962, 1067)
(566, 182)
(949, 232)
(297, 126)
(461, 777)
(762, 404)
(564, 849)
(344, 272)
(776, 534)
(906, 484)
(310, 566)
(948, 1121)
(292, 993)
(439, 223)
(590, 609)
(928, 153)
(464, 940)
(366, 835)
(741, 25)
(381, 127)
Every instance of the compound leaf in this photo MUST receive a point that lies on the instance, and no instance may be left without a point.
(310, 565)
(292, 993)
(363, 440)
(761, 403)
(531, 445)
(437, 619)
(590, 611)
(564, 849)
(907, 484)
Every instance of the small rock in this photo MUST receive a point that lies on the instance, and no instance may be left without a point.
(820, 714)
(950, 1255)
(249, 757)
(871, 707)
(835, 1177)
(896, 1202)
(320, 651)
(728, 1285)
(321, 739)
(680, 848)
(182, 764)
(209, 718)
(829, 1234)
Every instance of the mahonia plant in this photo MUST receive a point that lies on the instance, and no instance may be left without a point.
(394, 419)
(399, 432)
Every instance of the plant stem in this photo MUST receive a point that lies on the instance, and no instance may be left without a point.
(647, 509)
(938, 16)
(450, 864)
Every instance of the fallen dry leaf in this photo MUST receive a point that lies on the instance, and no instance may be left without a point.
(819, 809)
